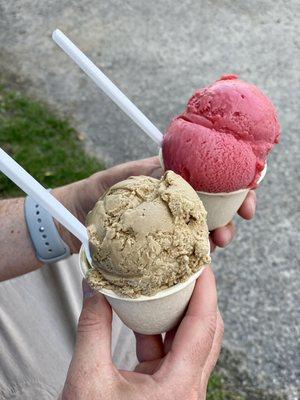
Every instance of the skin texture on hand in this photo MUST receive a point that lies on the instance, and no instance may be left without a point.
(17, 253)
(176, 368)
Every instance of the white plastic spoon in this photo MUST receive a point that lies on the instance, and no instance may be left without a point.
(105, 84)
(34, 189)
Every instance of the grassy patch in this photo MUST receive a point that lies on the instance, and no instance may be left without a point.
(218, 390)
(45, 145)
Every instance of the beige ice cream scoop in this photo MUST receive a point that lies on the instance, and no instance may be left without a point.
(147, 235)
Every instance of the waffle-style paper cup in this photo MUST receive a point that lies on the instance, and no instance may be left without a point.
(149, 314)
(221, 207)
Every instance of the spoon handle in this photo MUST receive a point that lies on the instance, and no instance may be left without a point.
(107, 86)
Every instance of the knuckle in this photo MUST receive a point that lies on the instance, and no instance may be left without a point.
(204, 341)
(210, 323)
(88, 321)
(196, 351)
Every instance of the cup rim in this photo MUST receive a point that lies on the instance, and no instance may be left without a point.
(262, 175)
(163, 293)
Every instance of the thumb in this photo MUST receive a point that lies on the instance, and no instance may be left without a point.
(194, 337)
(93, 340)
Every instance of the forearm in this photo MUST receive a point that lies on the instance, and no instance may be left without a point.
(17, 255)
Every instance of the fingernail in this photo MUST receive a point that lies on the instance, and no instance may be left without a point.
(87, 290)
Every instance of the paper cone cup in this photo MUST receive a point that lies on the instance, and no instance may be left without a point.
(220, 207)
(149, 314)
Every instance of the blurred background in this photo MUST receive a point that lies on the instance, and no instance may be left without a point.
(61, 127)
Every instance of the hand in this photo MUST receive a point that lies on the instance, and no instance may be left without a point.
(80, 197)
(177, 368)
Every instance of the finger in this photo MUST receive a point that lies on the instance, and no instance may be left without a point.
(221, 237)
(148, 367)
(193, 340)
(247, 209)
(93, 340)
(170, 335)
(216, 347)
(148, 166)
(168, 342)
(149, 347)
(212, 245)
(91, 364)
(213, 355)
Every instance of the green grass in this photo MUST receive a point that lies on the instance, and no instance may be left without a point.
(48, 148)
(45, 145)
(218, 389)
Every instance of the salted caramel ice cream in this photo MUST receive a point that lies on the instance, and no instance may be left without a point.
(147, 235)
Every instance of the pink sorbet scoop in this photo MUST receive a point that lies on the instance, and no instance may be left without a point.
(221, 142)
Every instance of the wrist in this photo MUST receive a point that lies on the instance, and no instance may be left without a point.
(73, 243)
(79, 198)
(46, 239)
(88, 194)
(65, 196)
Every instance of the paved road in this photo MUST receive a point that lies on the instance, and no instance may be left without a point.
(158, 53)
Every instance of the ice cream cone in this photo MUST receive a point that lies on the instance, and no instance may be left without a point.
(149, 314)
(221, 207)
